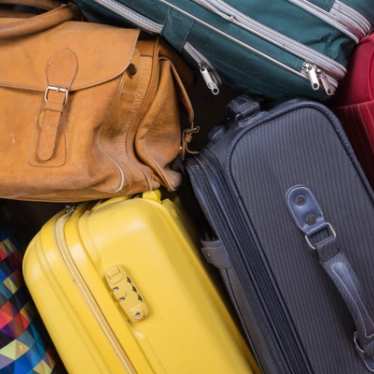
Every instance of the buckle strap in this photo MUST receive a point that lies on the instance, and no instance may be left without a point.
(188, 133)
(321, 237)
(63, 90)
(61, 71)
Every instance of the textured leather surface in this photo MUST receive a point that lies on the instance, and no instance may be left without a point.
(98, 62)
(41, 4)
(88, 111)
(39, 22)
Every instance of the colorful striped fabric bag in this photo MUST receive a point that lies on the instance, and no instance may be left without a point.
(23, 347)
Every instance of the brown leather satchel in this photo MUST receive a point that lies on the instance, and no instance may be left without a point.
(87, 111)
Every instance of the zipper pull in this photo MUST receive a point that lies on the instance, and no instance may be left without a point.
(327, 86)
(209, 80)
(69, 209)
(312, 71)
(318, 78)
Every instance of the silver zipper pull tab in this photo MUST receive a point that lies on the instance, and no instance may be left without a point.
(327, 86)
(69, 209)
(312, 71)
(209, 80)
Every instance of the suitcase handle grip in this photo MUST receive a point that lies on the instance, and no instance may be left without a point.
(346, 281)
(321, 237)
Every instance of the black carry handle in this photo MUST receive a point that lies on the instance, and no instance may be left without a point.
(345, 279)
(321, 237)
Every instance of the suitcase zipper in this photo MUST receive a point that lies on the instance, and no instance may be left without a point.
(330, 78)
(305, 53)
(350, 16)
(208, 72)
(231, 290)
(318, 78)
(134, 17)
(341, 16)
(87, 294)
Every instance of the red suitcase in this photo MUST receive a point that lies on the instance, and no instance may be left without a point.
(355, 104)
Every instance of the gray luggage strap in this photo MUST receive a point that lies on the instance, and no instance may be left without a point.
(321, 237)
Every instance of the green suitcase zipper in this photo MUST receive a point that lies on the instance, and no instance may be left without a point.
(341, 16)
(315, 64)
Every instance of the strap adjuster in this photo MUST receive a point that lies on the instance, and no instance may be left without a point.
(63, 90)
(323, 242)
(309, 217)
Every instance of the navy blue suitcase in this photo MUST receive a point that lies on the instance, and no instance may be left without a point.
(293, 219)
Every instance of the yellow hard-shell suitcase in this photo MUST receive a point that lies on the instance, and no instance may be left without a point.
(121, 289)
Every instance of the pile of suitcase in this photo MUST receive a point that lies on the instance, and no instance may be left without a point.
(105, 106)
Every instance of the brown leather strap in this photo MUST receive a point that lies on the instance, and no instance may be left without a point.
(183, 96)
(7, 13)
(61, 72)
(40, 4)
(188, 133)
(38, 23)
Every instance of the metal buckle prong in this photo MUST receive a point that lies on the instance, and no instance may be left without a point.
(63, 90)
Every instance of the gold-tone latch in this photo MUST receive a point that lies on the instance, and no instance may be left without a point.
(126, 293)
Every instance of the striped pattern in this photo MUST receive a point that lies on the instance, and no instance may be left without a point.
(22, 347)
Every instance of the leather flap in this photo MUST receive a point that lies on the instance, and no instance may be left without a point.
(102, 54)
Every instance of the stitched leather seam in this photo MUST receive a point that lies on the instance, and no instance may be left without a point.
(5, 84)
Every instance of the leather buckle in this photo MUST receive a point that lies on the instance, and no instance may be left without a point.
(63, 90)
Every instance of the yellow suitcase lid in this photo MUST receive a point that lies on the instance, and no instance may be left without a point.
(122, 289)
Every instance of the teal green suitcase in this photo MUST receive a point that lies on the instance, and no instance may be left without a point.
(273, 48)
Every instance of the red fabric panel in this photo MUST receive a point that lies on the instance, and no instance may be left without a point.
(354, 104)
